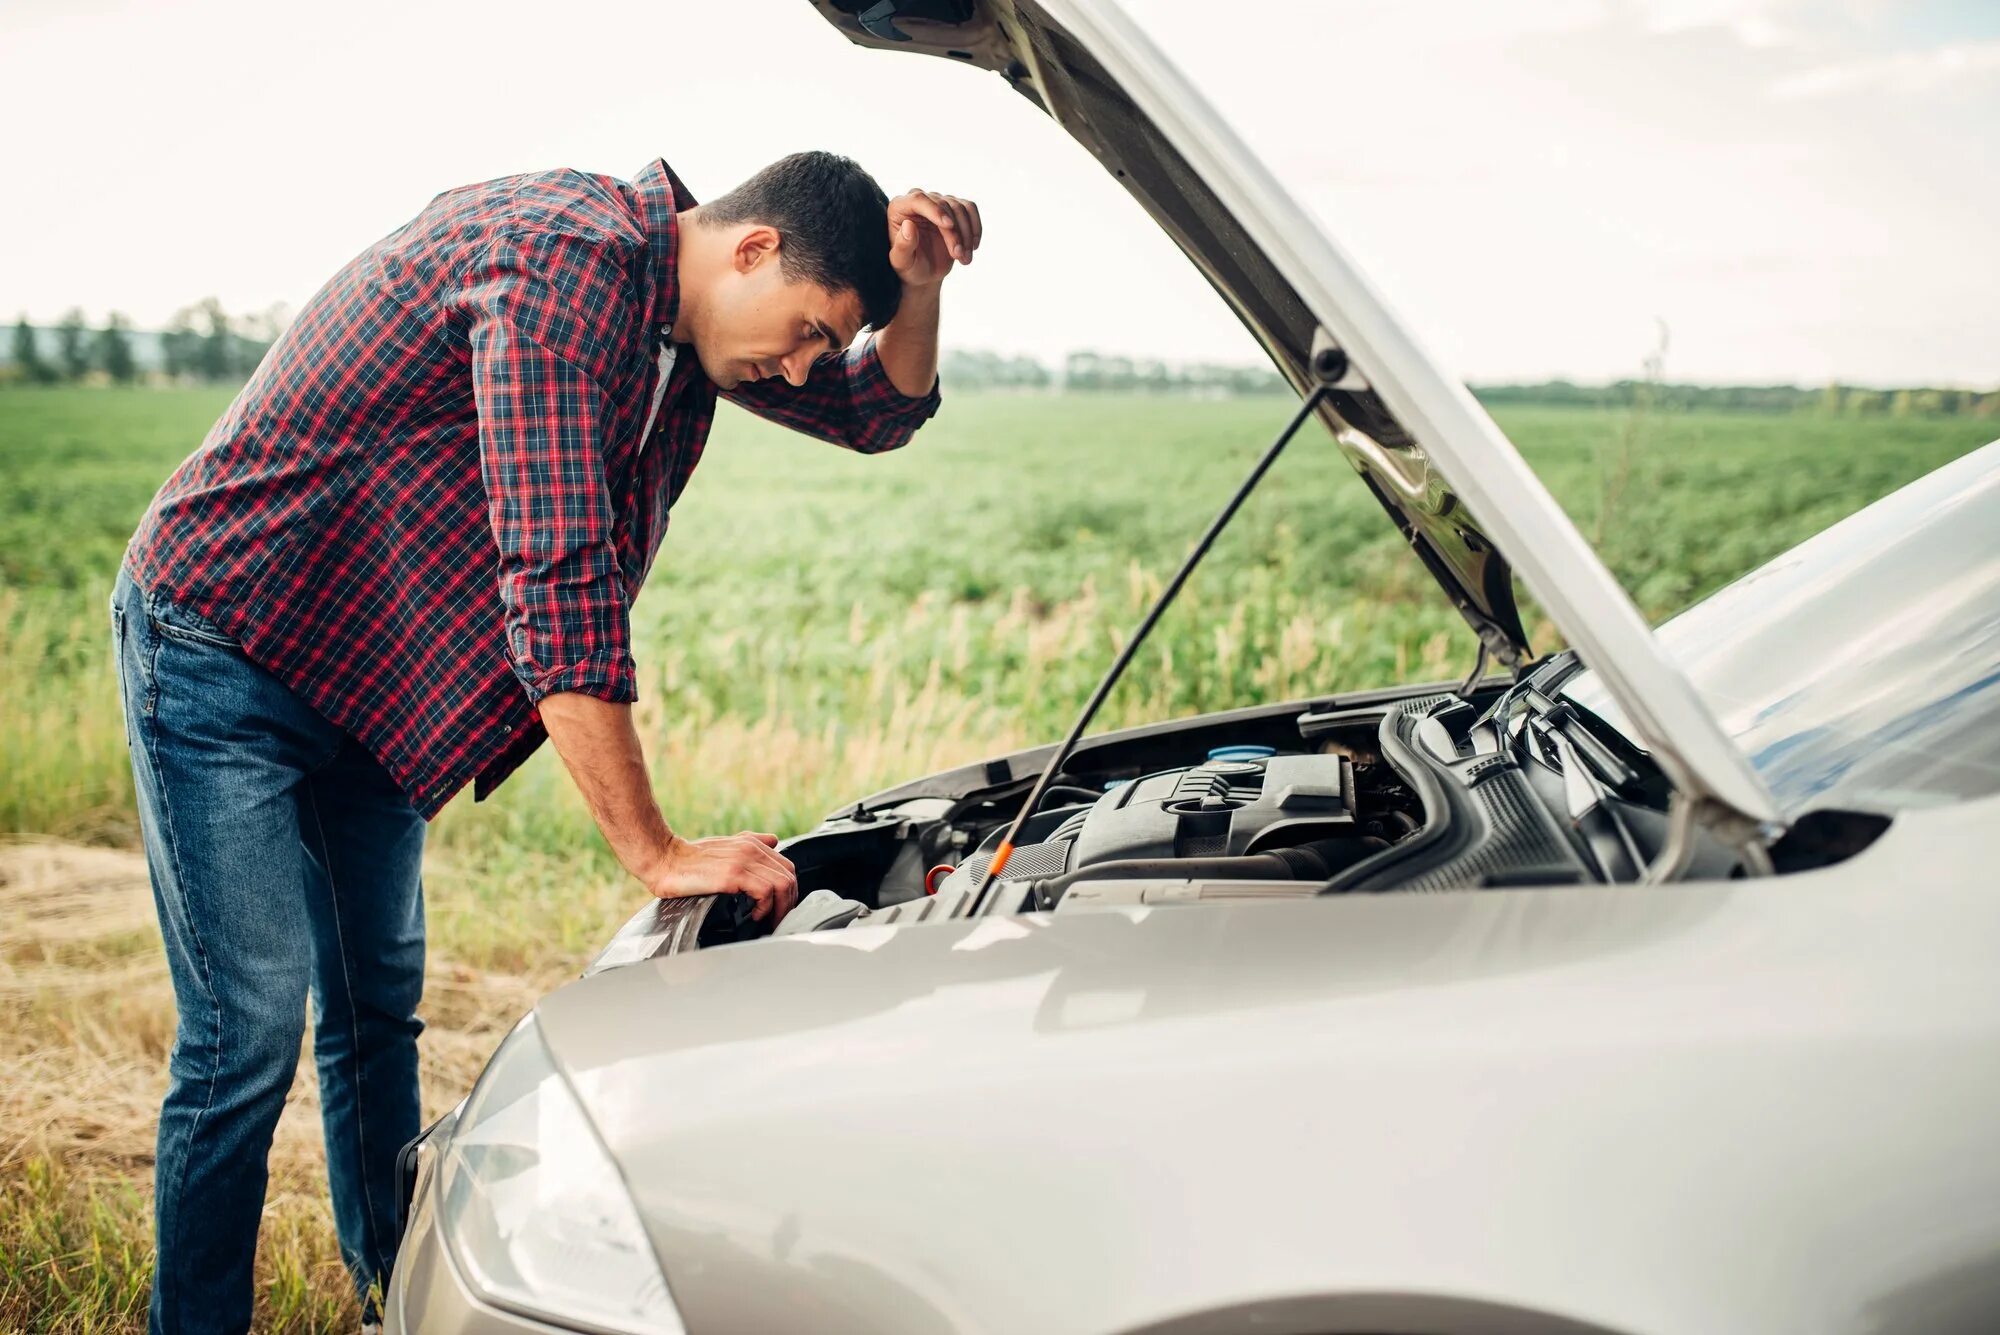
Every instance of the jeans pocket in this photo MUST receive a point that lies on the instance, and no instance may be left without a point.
(134, 648)
(174, 623)
(188, 635)
(118, 665)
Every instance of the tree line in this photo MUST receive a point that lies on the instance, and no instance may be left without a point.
(1091, 372)
(203, 343)
(1095, 372)
(1831, 400)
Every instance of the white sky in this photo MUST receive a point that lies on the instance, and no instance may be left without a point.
(1800, 189)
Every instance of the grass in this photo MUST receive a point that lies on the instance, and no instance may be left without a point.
(819, 625)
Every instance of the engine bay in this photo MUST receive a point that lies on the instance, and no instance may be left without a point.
(1396, 791)
(1401, 791)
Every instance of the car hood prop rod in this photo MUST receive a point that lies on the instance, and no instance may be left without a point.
(1322, 364)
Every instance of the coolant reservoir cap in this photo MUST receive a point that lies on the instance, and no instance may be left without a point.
(1242, 752)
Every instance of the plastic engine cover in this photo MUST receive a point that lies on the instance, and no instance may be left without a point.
(1223, 808)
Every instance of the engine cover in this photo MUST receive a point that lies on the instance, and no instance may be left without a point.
(1223, 808)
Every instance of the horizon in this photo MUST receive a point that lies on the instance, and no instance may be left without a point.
(1257, 362)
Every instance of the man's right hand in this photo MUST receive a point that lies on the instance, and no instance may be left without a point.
(746, 863)
(601, 749)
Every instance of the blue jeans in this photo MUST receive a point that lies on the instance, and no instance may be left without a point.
(284, 862)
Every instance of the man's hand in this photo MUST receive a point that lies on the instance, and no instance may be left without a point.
(747, 863)
(927, 232)
(599, 745)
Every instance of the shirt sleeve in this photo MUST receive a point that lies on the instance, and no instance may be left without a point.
(848, 399)
(539, 308)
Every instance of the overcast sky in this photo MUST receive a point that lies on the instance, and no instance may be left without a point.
(1800, 191)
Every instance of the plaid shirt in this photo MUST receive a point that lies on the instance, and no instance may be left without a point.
(431, 505)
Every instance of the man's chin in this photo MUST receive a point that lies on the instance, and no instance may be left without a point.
(726, 375)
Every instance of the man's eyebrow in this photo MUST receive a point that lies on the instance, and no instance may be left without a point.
(832, 339)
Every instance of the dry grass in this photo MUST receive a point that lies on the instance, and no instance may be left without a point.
(88, 1022)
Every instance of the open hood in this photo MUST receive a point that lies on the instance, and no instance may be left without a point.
(1454, 485)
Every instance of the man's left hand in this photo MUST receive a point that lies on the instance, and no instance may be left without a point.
(928, 232)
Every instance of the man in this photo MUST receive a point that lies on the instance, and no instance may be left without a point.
(404, 555)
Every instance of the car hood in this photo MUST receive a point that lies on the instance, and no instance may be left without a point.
(982, 1124)
(1452, 483)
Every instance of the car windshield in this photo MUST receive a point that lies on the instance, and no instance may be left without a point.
(1861, 669)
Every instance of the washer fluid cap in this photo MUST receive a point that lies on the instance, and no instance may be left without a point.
(1242, 752)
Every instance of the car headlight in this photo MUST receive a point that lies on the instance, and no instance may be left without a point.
(533, 1210)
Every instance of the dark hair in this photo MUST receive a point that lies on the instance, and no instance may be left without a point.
(834, 221)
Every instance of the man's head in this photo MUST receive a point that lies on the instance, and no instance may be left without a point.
(784, 268)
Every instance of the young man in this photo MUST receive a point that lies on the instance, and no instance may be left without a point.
(404, 555)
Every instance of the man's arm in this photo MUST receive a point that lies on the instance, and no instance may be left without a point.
(535, 377)
(928, 233)
(600, 747)
(848, 400)
(908, 348)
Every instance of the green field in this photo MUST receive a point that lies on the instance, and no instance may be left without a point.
(819, 625)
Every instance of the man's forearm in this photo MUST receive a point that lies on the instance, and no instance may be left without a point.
(600, 747)
(909, 346)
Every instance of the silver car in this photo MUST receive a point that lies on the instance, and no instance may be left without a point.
(1649, 986)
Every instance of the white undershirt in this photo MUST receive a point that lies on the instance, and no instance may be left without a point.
(667, 351)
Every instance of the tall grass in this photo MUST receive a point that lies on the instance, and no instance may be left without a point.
(820, 624)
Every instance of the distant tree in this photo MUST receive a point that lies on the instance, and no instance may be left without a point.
(178, 345)
(266, 325)
(1083, 370)
(215, 357)
(113, 350)
(72, 346)
(1028, 373)
(28, 355)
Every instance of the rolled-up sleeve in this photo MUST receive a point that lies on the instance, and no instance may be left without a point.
(534, 305)
(848, 399)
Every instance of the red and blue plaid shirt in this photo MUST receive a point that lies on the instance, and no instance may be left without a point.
(431, 505)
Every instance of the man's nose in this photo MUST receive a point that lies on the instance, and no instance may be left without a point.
(797, 367)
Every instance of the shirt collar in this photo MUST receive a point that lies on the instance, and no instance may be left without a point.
(662, 197)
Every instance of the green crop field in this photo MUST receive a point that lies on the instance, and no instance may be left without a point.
(819, 625)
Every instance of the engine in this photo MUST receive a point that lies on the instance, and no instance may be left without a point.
(1409, 792)
(1215, 818)
(1246, 820)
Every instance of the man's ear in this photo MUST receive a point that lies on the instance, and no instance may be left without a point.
(756, 246)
